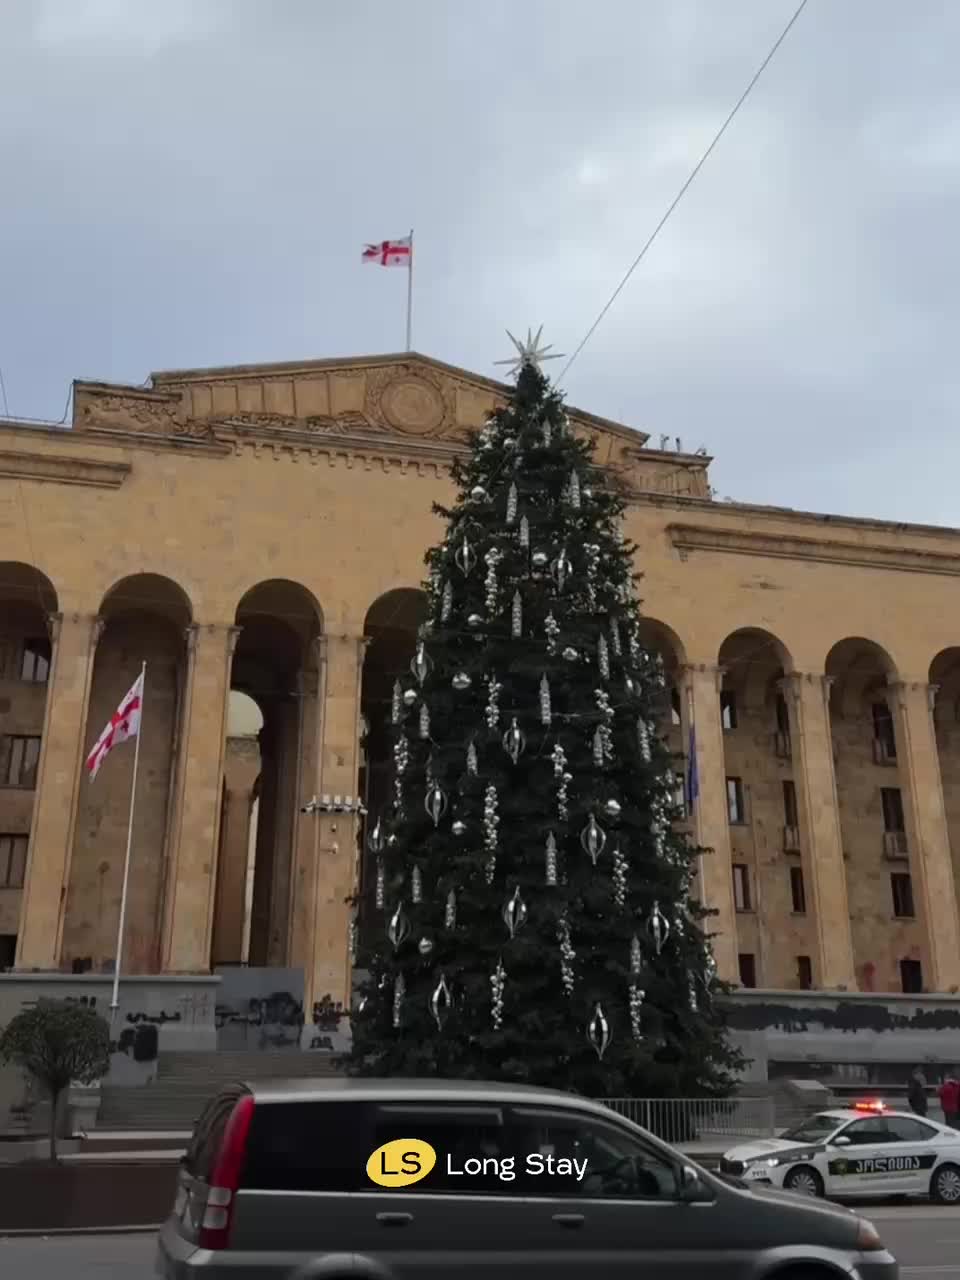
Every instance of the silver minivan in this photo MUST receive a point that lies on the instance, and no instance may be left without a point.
(397, 1179)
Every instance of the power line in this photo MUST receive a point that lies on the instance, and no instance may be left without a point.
(3, 396)
(683, 190)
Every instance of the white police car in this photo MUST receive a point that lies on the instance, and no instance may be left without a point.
(866, 1150)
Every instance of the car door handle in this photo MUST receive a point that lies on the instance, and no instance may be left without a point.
(568, 1219)
(394, 1219)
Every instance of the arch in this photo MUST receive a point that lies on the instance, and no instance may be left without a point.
(267, 766)
(861, 671)
(282, 598)
(662, 639)
(753, 661)
(27, 585)
(146, 617)
(392, 622)
(148, 593)
(944, 675)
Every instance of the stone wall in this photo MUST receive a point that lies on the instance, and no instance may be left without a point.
(826, 1034)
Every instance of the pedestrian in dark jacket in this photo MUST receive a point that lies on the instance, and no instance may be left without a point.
(917, 1093)
(950, 1100)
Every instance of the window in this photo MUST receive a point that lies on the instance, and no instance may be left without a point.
(35, 661)
(905, 1129)
(790, 818)
(736, 811)
(864, 1133)
(8, 951)
(892, 803)
(618, 1164)
(883, 733)
(804, 973)
(902, 889)
(22, 755)
(309, 1146)
(798, 892)
(457, 1134)
(741, 887)
(911, 977)
(728, 709)
(748, 969)
(13, 860)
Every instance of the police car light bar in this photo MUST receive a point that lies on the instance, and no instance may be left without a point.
(870, 1104)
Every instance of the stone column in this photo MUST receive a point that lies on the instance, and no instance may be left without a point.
(329, 971)
(700, 707)
(931, 867)
(305, 833)
(821, 838)
(74, 639)
(193, 865)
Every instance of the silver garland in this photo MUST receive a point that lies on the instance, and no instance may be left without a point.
(498, 980)
(560, 773)
(396, 704)
(352, 935)
(593, 567)
(603, 657)
(516, 616)
(546, 712)
(446, 605)
(401, 758)
(493, 702)
(633, 643)
(399, 990)
(472, 762)
(491, 559)
(547, 434)
(450, 911)
(694, 1002)
(636, 955)
(416, 885)
(424, 721)
(598, 748)
(512, 504)
(524, 532)
(491, 822)
(637, 995)
(551, 860)
(619, 878)
(552, 627)
(574, 492)
(380, 894)
(568, 955)
(643, 736)
(615, 642)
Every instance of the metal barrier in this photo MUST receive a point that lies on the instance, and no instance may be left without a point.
(699, 1119)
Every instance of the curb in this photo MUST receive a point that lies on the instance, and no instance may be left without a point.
(36, 1233)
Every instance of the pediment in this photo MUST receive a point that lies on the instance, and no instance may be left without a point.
(411, 401)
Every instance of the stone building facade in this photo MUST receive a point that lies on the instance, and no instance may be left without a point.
(257, 534)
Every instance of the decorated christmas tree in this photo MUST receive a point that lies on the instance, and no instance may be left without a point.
(535, 907)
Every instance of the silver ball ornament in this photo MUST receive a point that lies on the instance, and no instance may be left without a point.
(461, 681)
(409, 697)
(459, 828)
(475, 620)
(425, 946)
(612, 808)
(478, 493)
(570, 654)
(539, 559)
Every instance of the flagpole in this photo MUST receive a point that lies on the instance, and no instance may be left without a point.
(115, 999)
(410, 295)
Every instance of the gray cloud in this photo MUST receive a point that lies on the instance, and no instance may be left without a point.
(190, 183)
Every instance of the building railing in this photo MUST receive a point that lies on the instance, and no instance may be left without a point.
(699, 1119)
(895, 844)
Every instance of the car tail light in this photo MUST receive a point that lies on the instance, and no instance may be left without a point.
(225, 1178)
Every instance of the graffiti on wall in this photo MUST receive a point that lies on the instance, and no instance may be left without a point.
(259, 1008)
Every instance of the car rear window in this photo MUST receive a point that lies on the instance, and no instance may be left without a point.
(309, 1146)
(208, 1134)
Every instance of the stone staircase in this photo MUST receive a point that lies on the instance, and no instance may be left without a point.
(185, 1081)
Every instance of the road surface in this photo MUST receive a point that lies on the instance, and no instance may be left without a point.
(925, 1239)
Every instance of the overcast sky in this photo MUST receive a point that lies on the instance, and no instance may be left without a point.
(189, 183)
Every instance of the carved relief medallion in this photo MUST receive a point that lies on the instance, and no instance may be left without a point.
(408, 401)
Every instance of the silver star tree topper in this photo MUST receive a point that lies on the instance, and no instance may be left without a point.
(529, 352)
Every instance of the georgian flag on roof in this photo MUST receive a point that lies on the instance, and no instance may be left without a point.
(389, 253)
(124, 724)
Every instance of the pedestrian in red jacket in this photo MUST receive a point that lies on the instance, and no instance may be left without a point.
(950, 1101)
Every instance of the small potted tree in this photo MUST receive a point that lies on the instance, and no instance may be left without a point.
(57, 1043)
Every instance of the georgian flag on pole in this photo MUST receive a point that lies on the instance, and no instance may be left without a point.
(389, 253)
(124, 724)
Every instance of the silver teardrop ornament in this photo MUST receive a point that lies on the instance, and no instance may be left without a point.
(435, 803)
(598, 1031)
(441, 1002)
(398, 928)
(420, 664)
(593, 838)
(514, 913)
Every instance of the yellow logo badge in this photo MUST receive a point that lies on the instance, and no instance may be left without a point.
(401, 1163)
